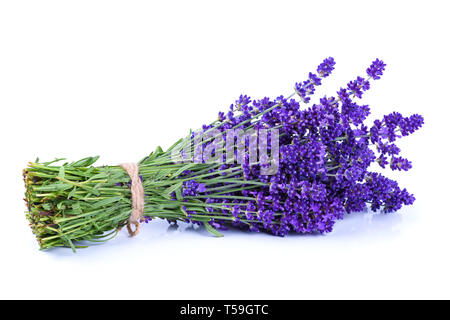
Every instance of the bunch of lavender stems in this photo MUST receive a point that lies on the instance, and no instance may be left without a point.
(325, 154)
(76, 202)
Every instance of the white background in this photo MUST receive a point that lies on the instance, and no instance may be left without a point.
(118, 78)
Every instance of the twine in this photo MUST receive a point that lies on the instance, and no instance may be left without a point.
(137, 197)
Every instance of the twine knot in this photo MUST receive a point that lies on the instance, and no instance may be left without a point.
(137, 197)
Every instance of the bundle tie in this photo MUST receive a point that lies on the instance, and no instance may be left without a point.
(137, 197)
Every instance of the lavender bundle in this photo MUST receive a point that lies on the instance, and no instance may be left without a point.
(275, 166)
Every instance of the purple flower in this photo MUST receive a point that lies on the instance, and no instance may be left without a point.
(399, 163)
(201, 188)
(358, 86)
(192, 188)
(326, 67)
(375, 71)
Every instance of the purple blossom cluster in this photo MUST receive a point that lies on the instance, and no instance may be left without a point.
(326, 156)
(192, 188)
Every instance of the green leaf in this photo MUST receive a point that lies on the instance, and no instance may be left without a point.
(68, 241)
(85, 162)
(61, 205)
(184, 211)
(153, 154)
(105, 202)
(72, 192)
(76, 208)
(158, 150)
(61, 172)
(88, 171)
(91, 190)
(53, 187)
(212, 230)
(182, 169)
(178, 195)
(50, 162)
(171, 189)
(98, 176)
(162, 174)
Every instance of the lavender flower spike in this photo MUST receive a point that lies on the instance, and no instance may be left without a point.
(307, 87)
